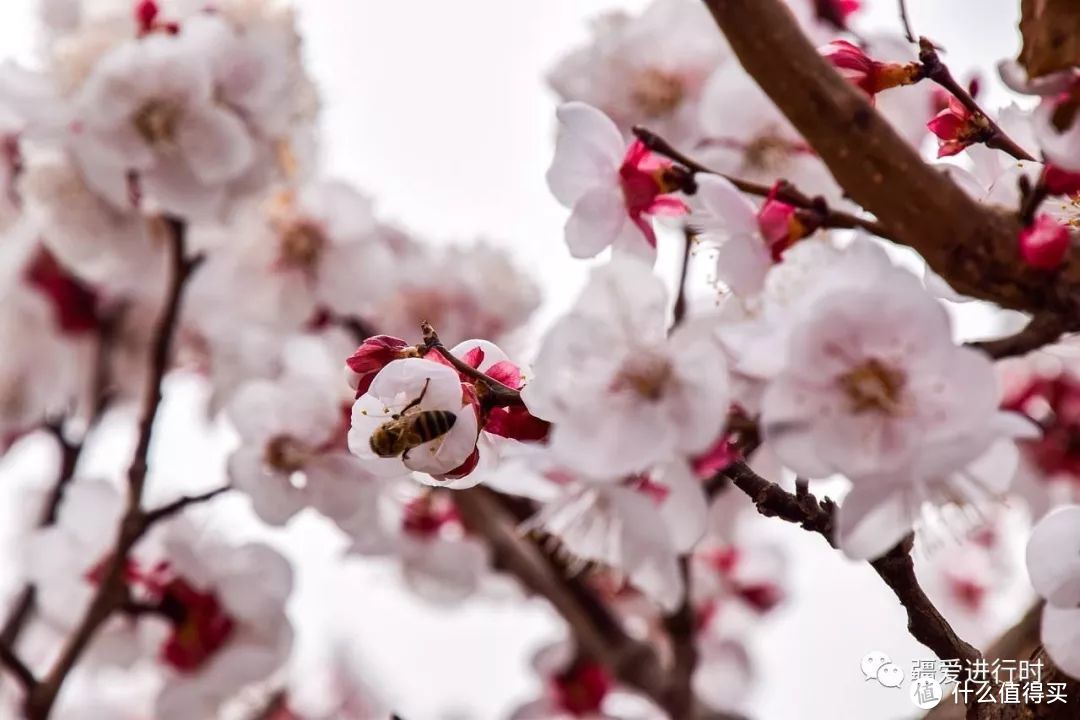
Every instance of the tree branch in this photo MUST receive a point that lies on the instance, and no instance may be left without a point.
(17, 667)
(597, 631)
(112, 592)
(1041, 330)
(785, 192)
(152, 517)
(972, 246)
(896, 568)
(498, 395)
(992, 136)
(681, 629)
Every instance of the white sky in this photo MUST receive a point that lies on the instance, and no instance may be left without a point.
(440, 111)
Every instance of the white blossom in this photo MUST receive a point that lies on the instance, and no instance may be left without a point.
(398, 385)
(622, 396)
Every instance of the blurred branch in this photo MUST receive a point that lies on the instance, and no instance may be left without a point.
(70, 452)
(905, 22)
(16, 667)
(111, 594)
(972, 246)
(1020, 642)
(1051, 32)
(681, 629)
(1040, 331)
(152, 517)
(597, 631)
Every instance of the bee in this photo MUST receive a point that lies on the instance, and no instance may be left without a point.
(406, 430)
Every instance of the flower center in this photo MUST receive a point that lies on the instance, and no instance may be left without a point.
(156, 121)
(767, 153)
(873, 387)
(657, 93)
(200, 625)
(286, 454)
(302, 242)
(645, 374)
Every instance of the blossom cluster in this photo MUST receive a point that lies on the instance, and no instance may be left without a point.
(371, 382)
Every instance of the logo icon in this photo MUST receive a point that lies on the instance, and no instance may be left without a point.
(878, 666)
(926, 693)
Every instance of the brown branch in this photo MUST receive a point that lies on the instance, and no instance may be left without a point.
(497, 394)
(993, 136)
(1051, 31)
(17, 667)
(681, 627)
(112, 592)
(70, 452)
(152, 517)
(1020, 642)
(972, 246)
(906, 22)
(925, 622)
(896, 568)
(785, 192)
(1041, 330)
(597, 631)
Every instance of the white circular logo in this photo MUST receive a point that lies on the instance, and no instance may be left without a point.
(926, 693)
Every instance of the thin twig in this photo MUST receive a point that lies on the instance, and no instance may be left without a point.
(681, 627)
(152, 517)
(498, 394)
(993, 136)
(70, 452)
(112, 591)
(785, 192)
(906, 22)
(896, 568)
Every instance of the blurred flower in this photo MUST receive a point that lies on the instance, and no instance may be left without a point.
(621, 395)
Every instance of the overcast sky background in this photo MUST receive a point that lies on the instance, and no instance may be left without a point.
(439, 110)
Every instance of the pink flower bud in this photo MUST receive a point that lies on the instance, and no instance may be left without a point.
(862, 70)
(1045, 243)
(780, 225)
(146, 12)
(373, 355)
(956, 128)
(647, 181)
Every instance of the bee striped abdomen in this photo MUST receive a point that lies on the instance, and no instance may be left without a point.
(431, 424)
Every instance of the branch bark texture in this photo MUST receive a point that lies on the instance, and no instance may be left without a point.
(972, 246)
